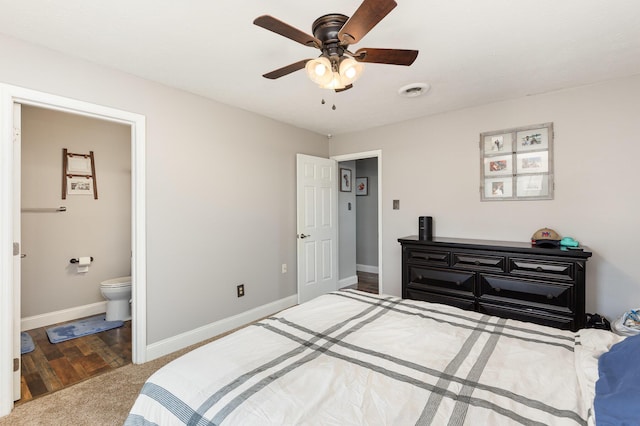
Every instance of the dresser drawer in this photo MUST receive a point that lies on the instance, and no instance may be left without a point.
(428, 257)
(479, 262)
(457, 283)
(554, 297)
(459, 302)
(542, 269)
(529, 315)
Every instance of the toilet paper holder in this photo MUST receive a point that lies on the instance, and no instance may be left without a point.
(75, 260)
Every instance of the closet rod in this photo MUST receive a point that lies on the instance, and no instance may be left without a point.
(44, 210)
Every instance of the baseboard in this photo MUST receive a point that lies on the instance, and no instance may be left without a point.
(367, 268)
(43, 320)
(175, 343)
(346, 282)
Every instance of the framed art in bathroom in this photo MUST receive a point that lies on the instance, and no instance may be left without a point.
(80, 186)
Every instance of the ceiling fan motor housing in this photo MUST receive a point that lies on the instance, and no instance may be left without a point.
(326, 29)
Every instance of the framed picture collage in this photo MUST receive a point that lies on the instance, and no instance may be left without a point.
(517, 164)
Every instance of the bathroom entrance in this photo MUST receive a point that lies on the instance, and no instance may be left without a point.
(74, 237)
(11, 97)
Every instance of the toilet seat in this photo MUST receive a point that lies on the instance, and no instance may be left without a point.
(116, 283)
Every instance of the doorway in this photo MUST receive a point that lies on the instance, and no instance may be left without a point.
(361, 235)
(57, 227)
(9, 280)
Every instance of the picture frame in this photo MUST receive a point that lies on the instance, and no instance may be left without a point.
(362, 186)
(532, 162)
(79, 165)
(345, 180)
(497, 188)
(517, 163)
(502, 143)
(500, 165)
(533, 185)
(80, 186)
(534, 139)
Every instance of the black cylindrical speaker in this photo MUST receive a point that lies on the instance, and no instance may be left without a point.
(425, 227)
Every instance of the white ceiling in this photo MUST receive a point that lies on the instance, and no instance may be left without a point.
(472, 52)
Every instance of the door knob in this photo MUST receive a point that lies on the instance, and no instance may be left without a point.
(303, 236)
(22, 256)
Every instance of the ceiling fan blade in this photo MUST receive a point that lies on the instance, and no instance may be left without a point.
(347, 87)
(272, 24)
(366, 17)
(281, 72)
(386, 56)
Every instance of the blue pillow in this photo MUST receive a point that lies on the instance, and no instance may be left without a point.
(617, 400)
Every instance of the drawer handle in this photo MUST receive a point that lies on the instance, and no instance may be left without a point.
(549, 296)
(497, 289)
(539, 269)
(419, 277)
(477, 262)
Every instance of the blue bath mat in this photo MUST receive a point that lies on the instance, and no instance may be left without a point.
(82, 327)
(26, 343)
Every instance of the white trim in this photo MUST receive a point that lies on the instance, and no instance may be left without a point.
(360, 156)
(346, 282)
(367, 268)
(13, 94)
(200, 334)
(43, 320)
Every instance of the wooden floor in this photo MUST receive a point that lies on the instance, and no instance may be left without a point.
(367, 282)
(51, 367)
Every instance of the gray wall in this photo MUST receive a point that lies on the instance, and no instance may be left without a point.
(100, 228)
(367, 215)
(220, 189)
(431, 165)
(347, 228)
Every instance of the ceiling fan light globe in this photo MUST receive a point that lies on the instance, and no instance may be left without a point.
(350, 71)
(319, 70)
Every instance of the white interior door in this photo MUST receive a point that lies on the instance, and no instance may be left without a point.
(317, 223)
(17, 252)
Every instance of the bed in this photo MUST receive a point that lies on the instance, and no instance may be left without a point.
(354, 358)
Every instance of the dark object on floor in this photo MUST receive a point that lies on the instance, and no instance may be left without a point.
(597, 321)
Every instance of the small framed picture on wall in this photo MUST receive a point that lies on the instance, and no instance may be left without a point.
(362, 186)
(345, 180)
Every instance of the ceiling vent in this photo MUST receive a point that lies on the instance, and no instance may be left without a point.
(414, 90)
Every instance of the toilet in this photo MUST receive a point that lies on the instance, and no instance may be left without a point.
(117, 291)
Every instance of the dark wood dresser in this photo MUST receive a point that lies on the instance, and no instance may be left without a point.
(507, 279)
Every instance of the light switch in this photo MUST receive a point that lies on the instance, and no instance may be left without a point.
(348, 206)
(396, 204)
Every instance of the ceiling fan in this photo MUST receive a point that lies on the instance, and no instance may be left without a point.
(337, 68)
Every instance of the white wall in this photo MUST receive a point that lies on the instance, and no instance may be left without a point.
(432, 166)
(220, 189)
(100, 228)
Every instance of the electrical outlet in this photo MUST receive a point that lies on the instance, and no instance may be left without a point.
(284, 268)
(241, 290)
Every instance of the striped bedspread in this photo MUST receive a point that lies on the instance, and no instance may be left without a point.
(353, 358)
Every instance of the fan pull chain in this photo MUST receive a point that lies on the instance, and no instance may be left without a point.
(333, 107)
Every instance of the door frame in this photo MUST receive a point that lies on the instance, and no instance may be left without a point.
(9, 95)
(361, 156)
